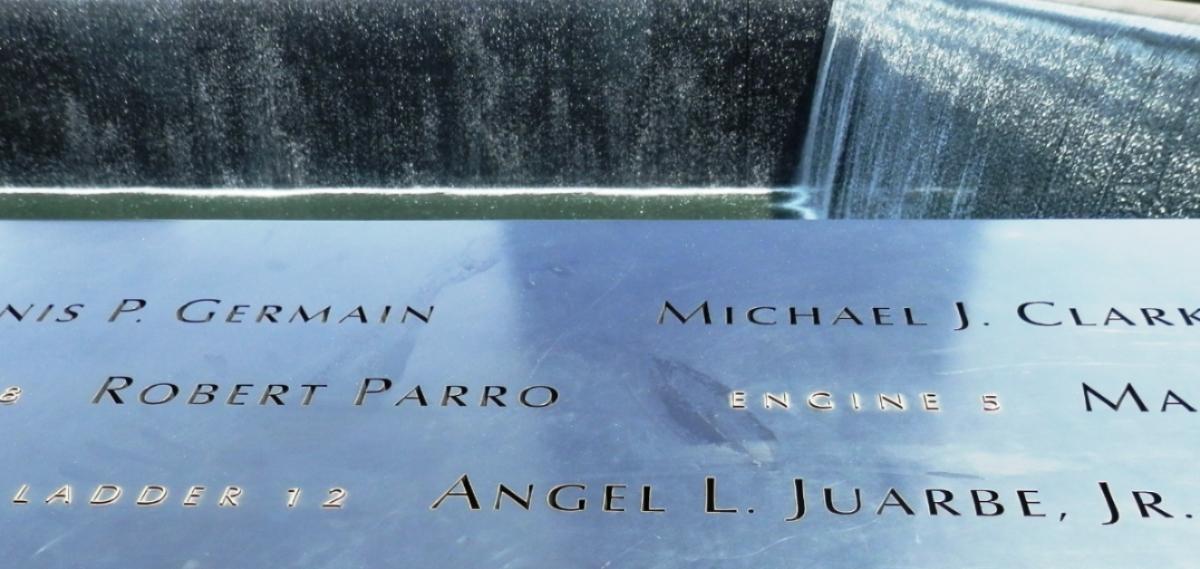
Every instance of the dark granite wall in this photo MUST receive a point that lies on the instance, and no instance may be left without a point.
(403, 93)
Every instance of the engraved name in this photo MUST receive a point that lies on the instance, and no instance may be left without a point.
(121, 390)
(219, 311)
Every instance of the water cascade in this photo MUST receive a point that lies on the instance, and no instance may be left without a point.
(998, 108)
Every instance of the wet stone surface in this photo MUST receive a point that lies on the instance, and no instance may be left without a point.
(410, 93)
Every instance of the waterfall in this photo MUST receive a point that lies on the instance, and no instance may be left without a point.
(405, 93)
(998, 109)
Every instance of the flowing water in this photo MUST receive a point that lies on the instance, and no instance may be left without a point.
(996, 108)
(912, 108)
(463, 93)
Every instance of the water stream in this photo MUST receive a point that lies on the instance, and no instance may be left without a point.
(999, 108)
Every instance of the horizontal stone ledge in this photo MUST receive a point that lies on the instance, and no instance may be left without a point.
(395, 203)
(1163, 9)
